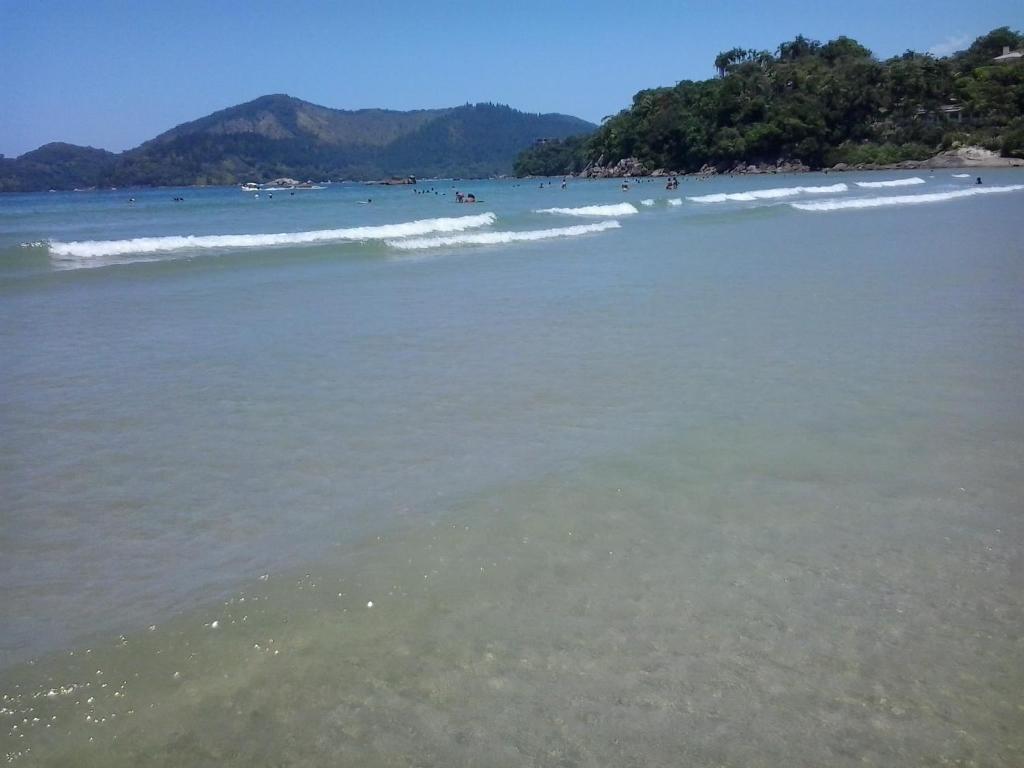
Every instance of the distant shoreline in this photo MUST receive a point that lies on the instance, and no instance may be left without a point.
(963, 157)
(906, 165)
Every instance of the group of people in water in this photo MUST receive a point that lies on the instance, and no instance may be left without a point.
(671, 183)
(467, 198)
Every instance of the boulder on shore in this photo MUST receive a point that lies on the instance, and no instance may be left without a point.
(972, 157)
(779, 166)
(624, 168)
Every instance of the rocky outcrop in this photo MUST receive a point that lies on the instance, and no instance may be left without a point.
(962, 157)
(625, 168)
(631, 167)
(779, 166)
(971, 157)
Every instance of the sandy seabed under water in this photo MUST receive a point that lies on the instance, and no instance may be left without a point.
(633, 612)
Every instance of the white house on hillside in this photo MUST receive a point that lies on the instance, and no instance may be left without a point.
(1008, 56)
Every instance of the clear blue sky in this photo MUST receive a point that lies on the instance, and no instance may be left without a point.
(110, 73)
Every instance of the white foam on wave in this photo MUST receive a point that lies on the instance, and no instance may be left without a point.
(961, 175)
(618, 209)
(500, 238)
(676, 201)
(880, 202)
(142, 245)
(767, 194)
(647, 202)
(891, 183)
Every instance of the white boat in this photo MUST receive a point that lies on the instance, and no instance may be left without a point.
(277, 187)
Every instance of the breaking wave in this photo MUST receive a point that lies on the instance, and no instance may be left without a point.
(497, 238)
(891, 183)
(675, 201)
(142, 245)
(879, 202)
(619, 209)
(961, 175)
(647, 202)
(767, 194)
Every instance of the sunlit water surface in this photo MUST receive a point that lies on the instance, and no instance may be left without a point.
(736, 482)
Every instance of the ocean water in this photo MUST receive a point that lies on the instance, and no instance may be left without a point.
(723, 476)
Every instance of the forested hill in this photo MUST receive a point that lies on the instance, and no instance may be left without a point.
(820, 104)
(280, 136)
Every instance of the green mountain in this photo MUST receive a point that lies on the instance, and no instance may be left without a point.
(56, 165)
(813, 103)
(280, 136)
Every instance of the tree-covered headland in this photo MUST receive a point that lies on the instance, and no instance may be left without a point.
(819, 104)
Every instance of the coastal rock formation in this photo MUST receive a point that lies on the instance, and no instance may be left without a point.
(972, 157)
(962, 157)
(625, 168)
(779, 166)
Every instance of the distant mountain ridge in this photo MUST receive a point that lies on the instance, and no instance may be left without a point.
(279, 135)
(279, 116)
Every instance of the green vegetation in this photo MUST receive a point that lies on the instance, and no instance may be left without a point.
(820, 104)
(56, 165)
(553, 158)
(280, 136)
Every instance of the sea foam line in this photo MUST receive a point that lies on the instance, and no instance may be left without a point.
(890, 183)
(94, 248)
(879, 202)
(498, 238)
(767, 194)
(675, 201)
(618, 209)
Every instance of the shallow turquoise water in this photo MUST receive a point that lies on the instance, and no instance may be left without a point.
(734, 480)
